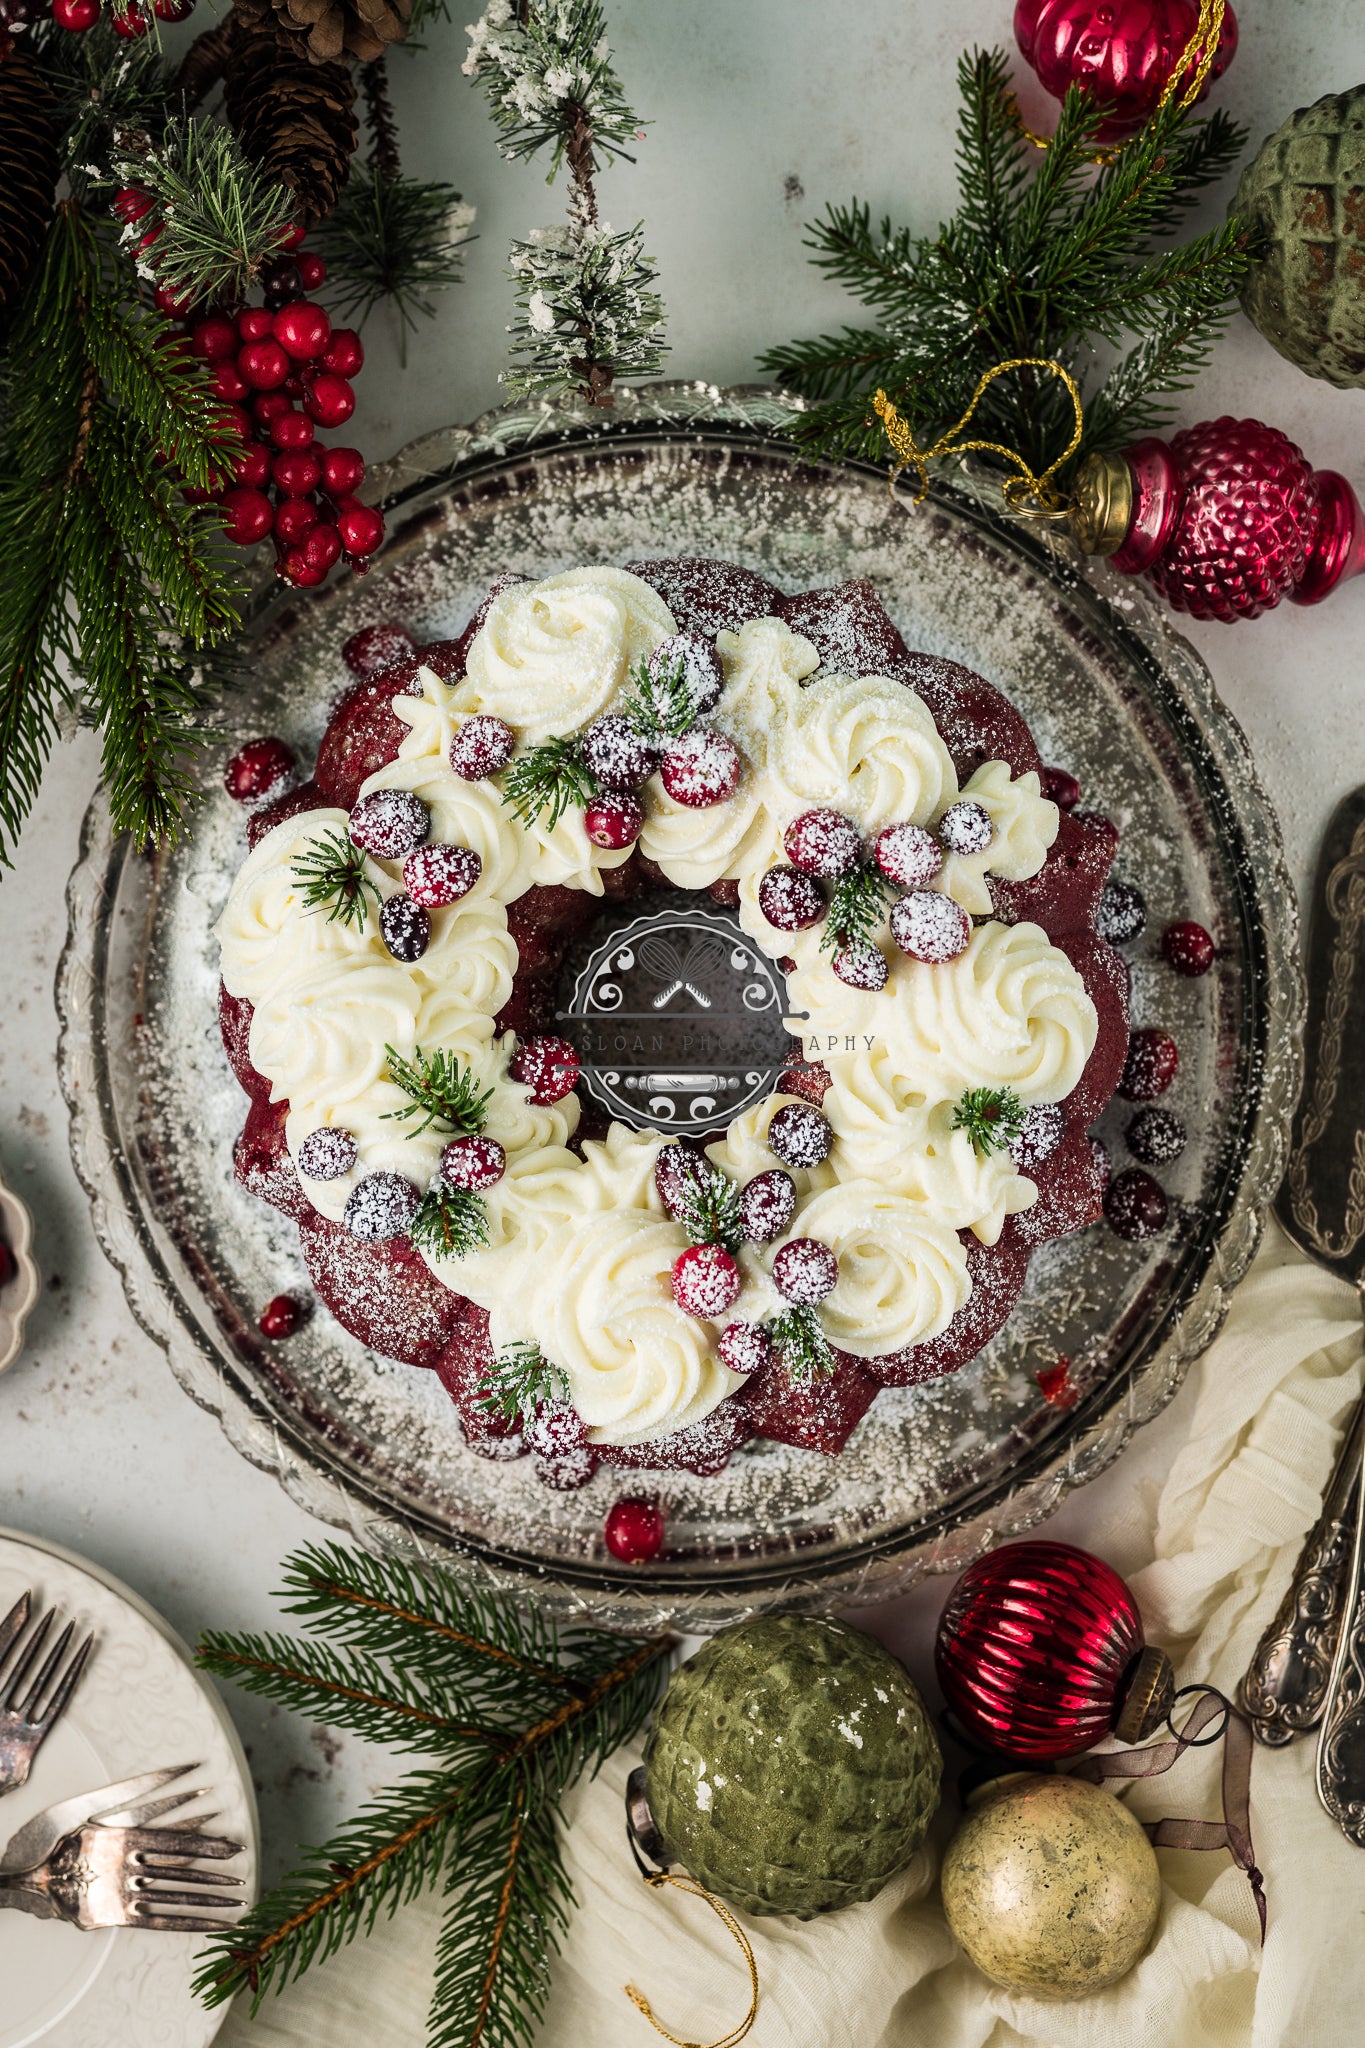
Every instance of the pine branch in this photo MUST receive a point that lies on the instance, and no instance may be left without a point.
(546, 72)
(805, 1350)
(219, 219)
(443, 1094)
(331, 870)
(709, 1209)
(392, 239)
(519, 1381)
(552, 776)
(588, 312)
(377, 1700)
(509, 1896)
(450, 1222)
(991, 1116)
(857, 908)
(103, 85)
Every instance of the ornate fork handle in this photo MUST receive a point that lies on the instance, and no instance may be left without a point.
(1341, 1745)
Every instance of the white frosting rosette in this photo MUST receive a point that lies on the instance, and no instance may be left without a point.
(902, 1269)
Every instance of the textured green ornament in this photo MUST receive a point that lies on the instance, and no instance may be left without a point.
(1304, 194)
(791, 1767)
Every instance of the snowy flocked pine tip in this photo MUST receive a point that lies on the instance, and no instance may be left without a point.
(702, 674)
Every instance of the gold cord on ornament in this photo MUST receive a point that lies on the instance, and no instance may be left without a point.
(1200, 50)
(656, 1878)
(1015, 489)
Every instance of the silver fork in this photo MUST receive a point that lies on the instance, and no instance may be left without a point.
(32, 1704)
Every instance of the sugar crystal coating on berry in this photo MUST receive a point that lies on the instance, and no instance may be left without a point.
(405, 927)
(678, 1173)
(800, 1136)
(966, 827)
(823, 842)
(908, 854)
(706, 1281)
(810, 1079)
(327, 1153)
(1188, 948)
(790, 901)
(619, 756)
(634, 1531)
(1061, 788)
(1156, 1137)
(375, 647)
(930, 927)
(615, 819)
(389, 823)
(701, 768)
(1151, 1066)
(473, 1163)
(805, 1271)
(1122, 915)
(381, 1206)
(548, 1067)
(282, 1316)
(568, 1473)
(441, 874)
(702, 672)
(555, 1430)
(744, 1348)
(861, 965)
(482, 745)
(260, 771)
(1038, 1136)
(767, 1204)
(1134, 1205)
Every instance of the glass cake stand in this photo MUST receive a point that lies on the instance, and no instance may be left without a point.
(933, 1475)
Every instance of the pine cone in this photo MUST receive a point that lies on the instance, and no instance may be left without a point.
(29, 167)
(330, 29)
(293, 117)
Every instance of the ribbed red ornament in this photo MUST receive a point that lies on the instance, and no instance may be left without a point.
(1035, 1650)
(1122, 51)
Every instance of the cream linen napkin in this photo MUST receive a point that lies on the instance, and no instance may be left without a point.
(1207, 1533)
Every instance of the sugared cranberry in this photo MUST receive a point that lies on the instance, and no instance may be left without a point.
(381, 1206)
(361, 527)
(823, 842)
(706, 1281)
(1153, 1059)
(908, 854)
(281, 1317)
(548, 1067)
(405, 928)
(389, 823)
(327, 1153)
(966, 827)
(473, 1163)
(614, 819)
(1061, 788)
(295, 519)
(861, 965)
(1189, 948)
(930, 927)
(437, 875)
(481, 746)
(696, 658)
(790, 901)
(1038, 1136)
(744, 1347)
(260, 770)
(568, 1473)
(345, 352)
(263, 364)
(1134, 1205)
(329, 399)
(291, 430)
(247, 516)
(373, 647)
(805, 1271)
(800, 1135)
(213, 338)
(678, 1173)
(701, 768)
(767, 1204)
(619, 756)
(1156, 1137)
(343, 471)
(634, 1531)
(564, 1458)
(1122, 915)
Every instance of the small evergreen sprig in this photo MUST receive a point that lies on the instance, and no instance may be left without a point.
(553, 776)
(991, 1116)
(332, 871)
(444, 1095)
(520, 1380)
(805, 1350)
(659, 707)
(857, 907)
(587, 311)
(709, 1207)
(218, 219)
(450, 1222)
(512, 1713)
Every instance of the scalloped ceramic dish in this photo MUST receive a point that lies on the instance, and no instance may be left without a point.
(933, 1474)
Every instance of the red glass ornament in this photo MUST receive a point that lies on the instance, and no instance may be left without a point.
(1040, 1654)
(329, 399)
(302, 330)
(343, 471)
(1122, 51)
(345, 353)
(76, 15)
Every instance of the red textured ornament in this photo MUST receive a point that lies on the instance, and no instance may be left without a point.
(1040, 1654)
(1124, 52)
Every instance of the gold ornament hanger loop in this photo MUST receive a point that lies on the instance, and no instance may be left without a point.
(657, 1878)
(1200, 51)
(1048, 501)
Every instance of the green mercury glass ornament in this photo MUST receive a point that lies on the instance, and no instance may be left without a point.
(1304, 196)
(791, 1767)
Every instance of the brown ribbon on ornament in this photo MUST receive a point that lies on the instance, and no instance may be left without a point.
(1199, 51)
(1233, 1832)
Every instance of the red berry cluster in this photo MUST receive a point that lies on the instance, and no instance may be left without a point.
(131, 20)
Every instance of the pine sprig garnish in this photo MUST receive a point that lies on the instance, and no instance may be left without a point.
(857, 908)
(552, 776)
(660, 707)
(992, 1116)
(709, 1210)
(332, 871)
(515, 1715)
(804, 1348)
(218, 218)
(520, 1380)
(450, 1222)
(442, 1092)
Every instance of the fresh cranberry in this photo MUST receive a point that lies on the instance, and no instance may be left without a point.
(790, 901)
(800, 1135)
(343, 471)
(1153, 1059)
(1134, 1205)
(345, 352)
(908, 854)
(260, 770)
(1122, 915)
(247, 515)
(930, 927)
(389, 823)
(437, 875)
(329, 399)
(615, 819)
(706, 1281)
(619, 756)
(281, 1317)
(291, 429)
(696, 658)
(1156, 1137)
(1061, 788)
(634, 1531)
(473, 1163)
(548, 1067)
(263, 364)
(966, 827)
(373, 647)
(861, 965)
(823, 842)
(381, 1206)
(767, 1204)
(744, 1348)
(214, 338)
(327, 1153)
(405, 928)
(701, 768)
(481, 746)
(1189, 948)
(805, 1271)
(361, 527)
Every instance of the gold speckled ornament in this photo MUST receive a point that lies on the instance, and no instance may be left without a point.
(1051, 1886)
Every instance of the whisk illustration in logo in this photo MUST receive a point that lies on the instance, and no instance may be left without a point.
(677, 1018)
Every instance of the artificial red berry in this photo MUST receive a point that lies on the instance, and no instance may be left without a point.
(389, 823)
(323, 546)
(744, 1348)
(1153, 1059)
(196, 494)
(373, 647)
(281, 282)
(618, 755)
(290, 237)
(473, 1163)
(701, 768)
(706, 1281)
(343, 471)
(253, 324)
(1189, 948)
(267, 407)
(289, 429)
(361, 527)
(1061, 788)
(233, 423)
(548, 1067)
(381, 1206)
(130, 23)
(966, 827)
(281, 1317)
(312, 273)
(908, 854)
(1134, 1205)
(822, 842)
(482, 745)
(228, 381)
(1122, 914)
(130, 203)
(441, 874)
(790, 901)
(258, 771)
(405, 928)
(248, 515)
(151, 238)
(329, 399)
(800, 1135)
(678, 1174)
(344, 353)
(295, 519)
(327, 1153)
(295, 567)
(302, 329)
(615, 819)
(296, 473)
(861, 965)
(805, 1271)
(767, 1204)
(930, 927)
(695, 659)
(174, 304)
(263, 364)
(634, 1531)
(1156, 1137)
(172, 10)
(76, 15)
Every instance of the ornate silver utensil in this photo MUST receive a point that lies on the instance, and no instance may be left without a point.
(31, 1704)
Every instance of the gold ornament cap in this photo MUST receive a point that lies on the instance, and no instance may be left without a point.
(1102, 504)
(1149, 1696)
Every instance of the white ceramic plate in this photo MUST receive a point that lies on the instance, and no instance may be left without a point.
(140, 1705)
